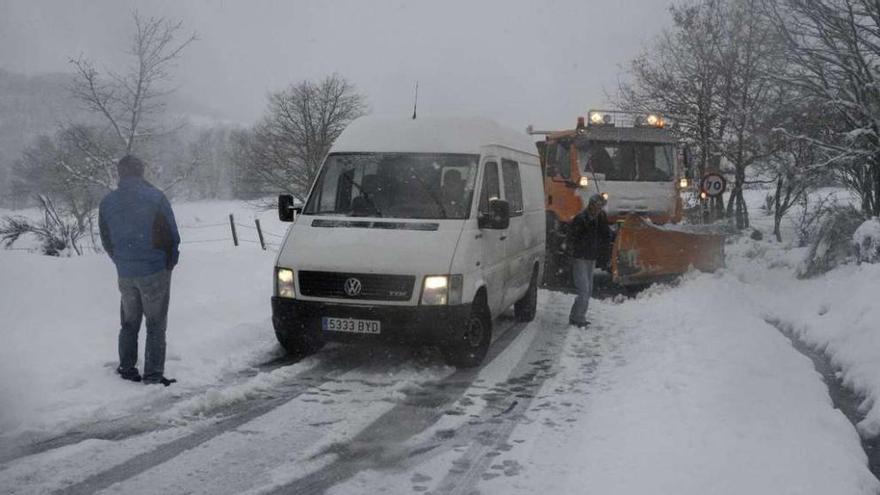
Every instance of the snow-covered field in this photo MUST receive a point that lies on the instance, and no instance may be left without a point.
(61, 317)
(685, 389)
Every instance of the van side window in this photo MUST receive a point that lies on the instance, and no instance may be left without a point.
(490, 187)
(512, 186)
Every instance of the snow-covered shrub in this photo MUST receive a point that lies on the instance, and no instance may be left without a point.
(812, 211)
(833, 243)
(866, 240)
(59, 233)
(755, 250)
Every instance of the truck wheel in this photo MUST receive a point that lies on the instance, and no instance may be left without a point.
(525, 308)
(470, 350)
(298, 345)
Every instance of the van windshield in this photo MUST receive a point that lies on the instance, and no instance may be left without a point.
(395, 185)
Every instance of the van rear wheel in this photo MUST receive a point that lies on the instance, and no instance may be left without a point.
(526, 308)
(473, 344)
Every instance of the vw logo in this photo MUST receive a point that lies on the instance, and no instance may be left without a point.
(353, 287)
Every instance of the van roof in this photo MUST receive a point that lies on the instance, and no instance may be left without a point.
(428, 135)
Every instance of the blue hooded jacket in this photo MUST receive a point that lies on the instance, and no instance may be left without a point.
(138, 229)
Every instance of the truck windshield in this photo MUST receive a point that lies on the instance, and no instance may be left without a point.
(647, 162)
(395, 185)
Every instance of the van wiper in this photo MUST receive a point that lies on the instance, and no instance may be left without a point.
(430, 193)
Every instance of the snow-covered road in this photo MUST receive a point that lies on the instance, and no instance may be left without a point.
(683, 389)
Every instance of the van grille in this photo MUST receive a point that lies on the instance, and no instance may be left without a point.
(373, 287)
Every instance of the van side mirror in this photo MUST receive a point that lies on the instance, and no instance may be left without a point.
(498, 217)
(286, 208)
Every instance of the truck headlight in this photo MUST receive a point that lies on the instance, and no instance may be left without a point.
(440, 290)
(284, 283)
(584, 182)
(683, 183)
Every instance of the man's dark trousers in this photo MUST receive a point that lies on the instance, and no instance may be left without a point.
(144, 297)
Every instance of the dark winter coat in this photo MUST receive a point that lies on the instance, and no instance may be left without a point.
(588, 235)
(138, 229)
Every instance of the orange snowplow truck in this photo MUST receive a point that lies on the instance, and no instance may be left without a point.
(636, 164)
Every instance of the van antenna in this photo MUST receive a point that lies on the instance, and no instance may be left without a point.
(416, 101)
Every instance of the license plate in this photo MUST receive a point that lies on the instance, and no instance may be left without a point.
(350, 325)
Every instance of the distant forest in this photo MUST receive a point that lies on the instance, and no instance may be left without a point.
(35, 109)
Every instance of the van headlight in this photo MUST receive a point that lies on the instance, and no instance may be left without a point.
(442, 290)
(284, 282)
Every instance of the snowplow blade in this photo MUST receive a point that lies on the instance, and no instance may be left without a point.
(644, 253)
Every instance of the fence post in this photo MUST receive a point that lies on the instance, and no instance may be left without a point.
(232, 226)
(260, 233)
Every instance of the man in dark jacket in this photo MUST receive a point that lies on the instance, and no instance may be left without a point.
(139, 233)
(589, 233)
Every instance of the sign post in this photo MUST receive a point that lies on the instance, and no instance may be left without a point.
(712, 186)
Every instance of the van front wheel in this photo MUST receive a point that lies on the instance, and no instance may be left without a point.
(471, 347)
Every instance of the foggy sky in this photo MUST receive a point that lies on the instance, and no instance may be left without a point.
(540, 62)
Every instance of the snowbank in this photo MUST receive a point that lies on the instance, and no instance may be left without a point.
(836, 312)
(693, 393)
(867, 241)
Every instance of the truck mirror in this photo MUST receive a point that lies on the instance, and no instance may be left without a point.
(286, 208)
(498, 217)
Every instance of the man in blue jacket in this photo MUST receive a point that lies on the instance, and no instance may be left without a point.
(139, 233)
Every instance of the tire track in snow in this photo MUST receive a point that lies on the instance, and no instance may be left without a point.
(381, 445)
(488, 443)
(137, 423)
(238, 414)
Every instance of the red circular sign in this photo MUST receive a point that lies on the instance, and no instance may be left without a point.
(713, 184)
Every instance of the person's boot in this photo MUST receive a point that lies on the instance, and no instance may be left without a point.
(579, 324)
(132, 376)
(161, 381)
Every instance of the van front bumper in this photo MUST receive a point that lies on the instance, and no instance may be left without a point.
(400, 324)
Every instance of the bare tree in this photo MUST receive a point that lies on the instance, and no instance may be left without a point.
(754, 55)
(684, 75)
(128, 102)
(795, 166)
(711, 72)
(41, 172)
(287, 146)
(835, 48)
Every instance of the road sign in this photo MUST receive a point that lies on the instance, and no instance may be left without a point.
(713, 184)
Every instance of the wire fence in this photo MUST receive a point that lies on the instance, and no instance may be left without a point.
(235, 229)
(206, 226)
(267, 240)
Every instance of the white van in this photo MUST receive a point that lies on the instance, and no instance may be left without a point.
(417, 231)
